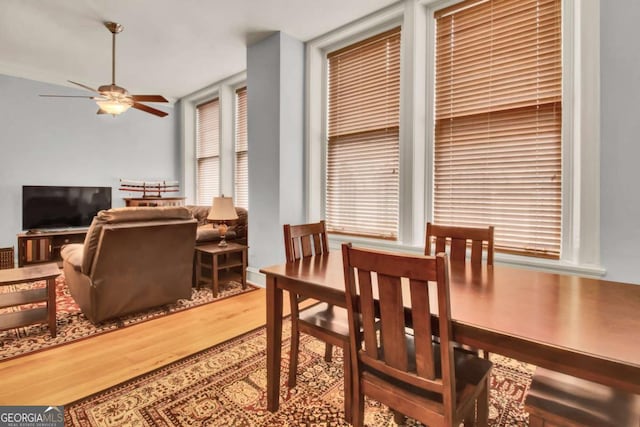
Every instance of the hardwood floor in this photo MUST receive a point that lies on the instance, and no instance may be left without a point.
(70, 372)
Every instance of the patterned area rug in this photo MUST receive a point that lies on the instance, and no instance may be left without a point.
(225, 386)
(72, 325)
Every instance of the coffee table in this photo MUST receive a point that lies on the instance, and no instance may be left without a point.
(47, 294)
(212, 258)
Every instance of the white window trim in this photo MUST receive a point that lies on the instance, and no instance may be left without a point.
(224, 90)
(234, 88)
(581, 130)
(580, 252)
(316, 99)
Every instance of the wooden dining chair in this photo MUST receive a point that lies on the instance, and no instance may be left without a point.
(323, 321)
(559, 400)
(400, 366)
(458, 240)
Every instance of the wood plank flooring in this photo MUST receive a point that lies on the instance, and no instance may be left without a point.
(70, 372)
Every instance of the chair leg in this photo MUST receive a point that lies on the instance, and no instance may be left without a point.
(482, 405)
(293, 355)
(535, 421)
(470, 418)
(295, 340)
(357, 408)
(398, 417)
(348, 390)
(328, 352)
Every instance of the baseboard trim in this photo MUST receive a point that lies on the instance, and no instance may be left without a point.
(254, 276)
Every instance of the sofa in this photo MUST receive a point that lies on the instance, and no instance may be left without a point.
(207, 232)
(132, 259)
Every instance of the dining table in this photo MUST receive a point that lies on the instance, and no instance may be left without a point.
(585, 327)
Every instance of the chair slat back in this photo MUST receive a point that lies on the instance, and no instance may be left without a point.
(459, 239)
(379, 286)
(305, 240)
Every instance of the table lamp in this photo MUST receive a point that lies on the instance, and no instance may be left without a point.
(222, 210)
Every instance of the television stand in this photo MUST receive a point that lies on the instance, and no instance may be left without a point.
(35, 247)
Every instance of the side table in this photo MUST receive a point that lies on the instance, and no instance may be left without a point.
(47, 294)
(213, 258)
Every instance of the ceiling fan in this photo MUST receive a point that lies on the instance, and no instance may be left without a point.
(113, 99)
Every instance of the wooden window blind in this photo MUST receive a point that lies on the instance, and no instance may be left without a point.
(208, 151)
(242, 154)
(498, 115)
(362, 184)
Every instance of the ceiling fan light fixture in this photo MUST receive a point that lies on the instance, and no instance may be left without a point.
(113, 99)
(114, 106)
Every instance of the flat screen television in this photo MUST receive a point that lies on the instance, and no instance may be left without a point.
(61, 207)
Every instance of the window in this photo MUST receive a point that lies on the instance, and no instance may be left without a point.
(498, 115)
(362, 185)
(208, 151)
(208, 126)
(241, 146)
(577, 55)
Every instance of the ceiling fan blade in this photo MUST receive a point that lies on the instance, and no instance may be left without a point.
(149, 98)
(101, 111)
(68, 96)
(84, 86)
(148, 109)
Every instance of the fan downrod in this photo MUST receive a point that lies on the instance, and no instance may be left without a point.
(115, 28)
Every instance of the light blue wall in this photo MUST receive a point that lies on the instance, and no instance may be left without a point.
(61, 141)
(620, 140)
(275, 108)
(291, 131)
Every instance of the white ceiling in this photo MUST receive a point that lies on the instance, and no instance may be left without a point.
(168, 47)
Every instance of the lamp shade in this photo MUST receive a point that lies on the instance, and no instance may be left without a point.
(222, 209)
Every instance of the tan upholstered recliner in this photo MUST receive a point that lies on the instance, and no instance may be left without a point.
(132, 259)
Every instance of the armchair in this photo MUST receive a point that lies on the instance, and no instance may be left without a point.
(132, 259)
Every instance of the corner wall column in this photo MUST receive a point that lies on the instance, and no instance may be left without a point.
(275, 114)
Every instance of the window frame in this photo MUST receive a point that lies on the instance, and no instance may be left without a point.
(235, 139)
(316, 96)
(580, 133)
(347, 127)
(471, 112)
(580, 224)
(204, 159)
(224, 90)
